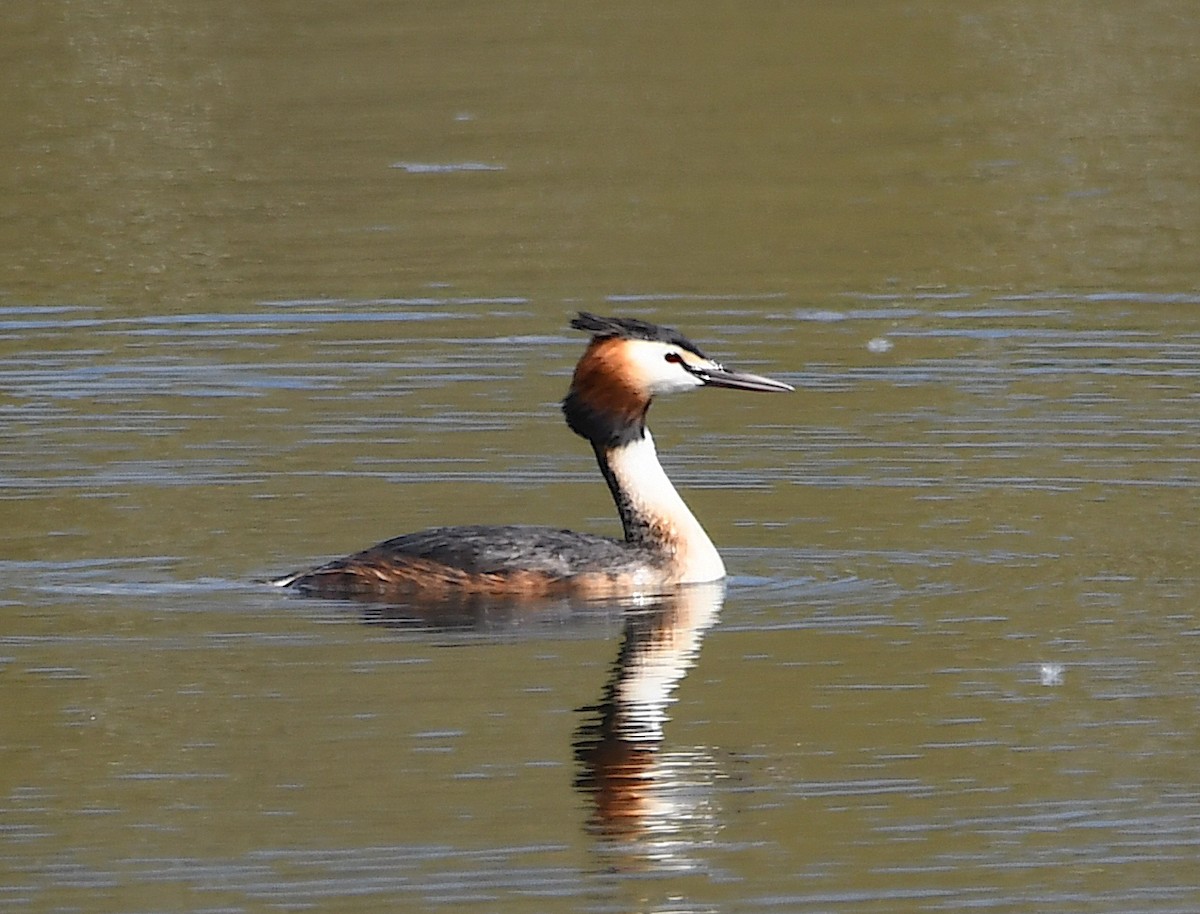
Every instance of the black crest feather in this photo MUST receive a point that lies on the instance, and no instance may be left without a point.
(630, 328)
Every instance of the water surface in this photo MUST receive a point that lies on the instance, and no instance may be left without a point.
(281, 283)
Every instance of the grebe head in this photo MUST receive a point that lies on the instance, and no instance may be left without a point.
(627, 364)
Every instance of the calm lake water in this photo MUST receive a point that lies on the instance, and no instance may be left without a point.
(282, 281)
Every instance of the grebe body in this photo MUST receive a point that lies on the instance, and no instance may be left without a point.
(627, 363)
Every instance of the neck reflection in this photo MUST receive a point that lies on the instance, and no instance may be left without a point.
(639, 791)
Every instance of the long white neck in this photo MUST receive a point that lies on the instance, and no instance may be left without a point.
(654, 515)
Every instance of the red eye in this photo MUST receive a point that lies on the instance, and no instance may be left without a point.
(674, 358)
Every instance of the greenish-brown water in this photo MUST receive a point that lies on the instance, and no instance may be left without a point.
(279, 282)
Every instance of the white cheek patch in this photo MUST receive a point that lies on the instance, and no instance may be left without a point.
(652, 370)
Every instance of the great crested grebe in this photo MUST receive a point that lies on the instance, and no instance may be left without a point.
(627, 363)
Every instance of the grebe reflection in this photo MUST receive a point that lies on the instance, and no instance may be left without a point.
(638, 789)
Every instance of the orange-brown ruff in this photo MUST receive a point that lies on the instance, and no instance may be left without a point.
(627, 363)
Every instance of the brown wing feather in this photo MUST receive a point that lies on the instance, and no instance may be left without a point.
(488, 561)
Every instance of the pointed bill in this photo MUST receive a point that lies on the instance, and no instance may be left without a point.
(719, 376)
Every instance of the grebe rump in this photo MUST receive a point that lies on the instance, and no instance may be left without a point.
(627, 363)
